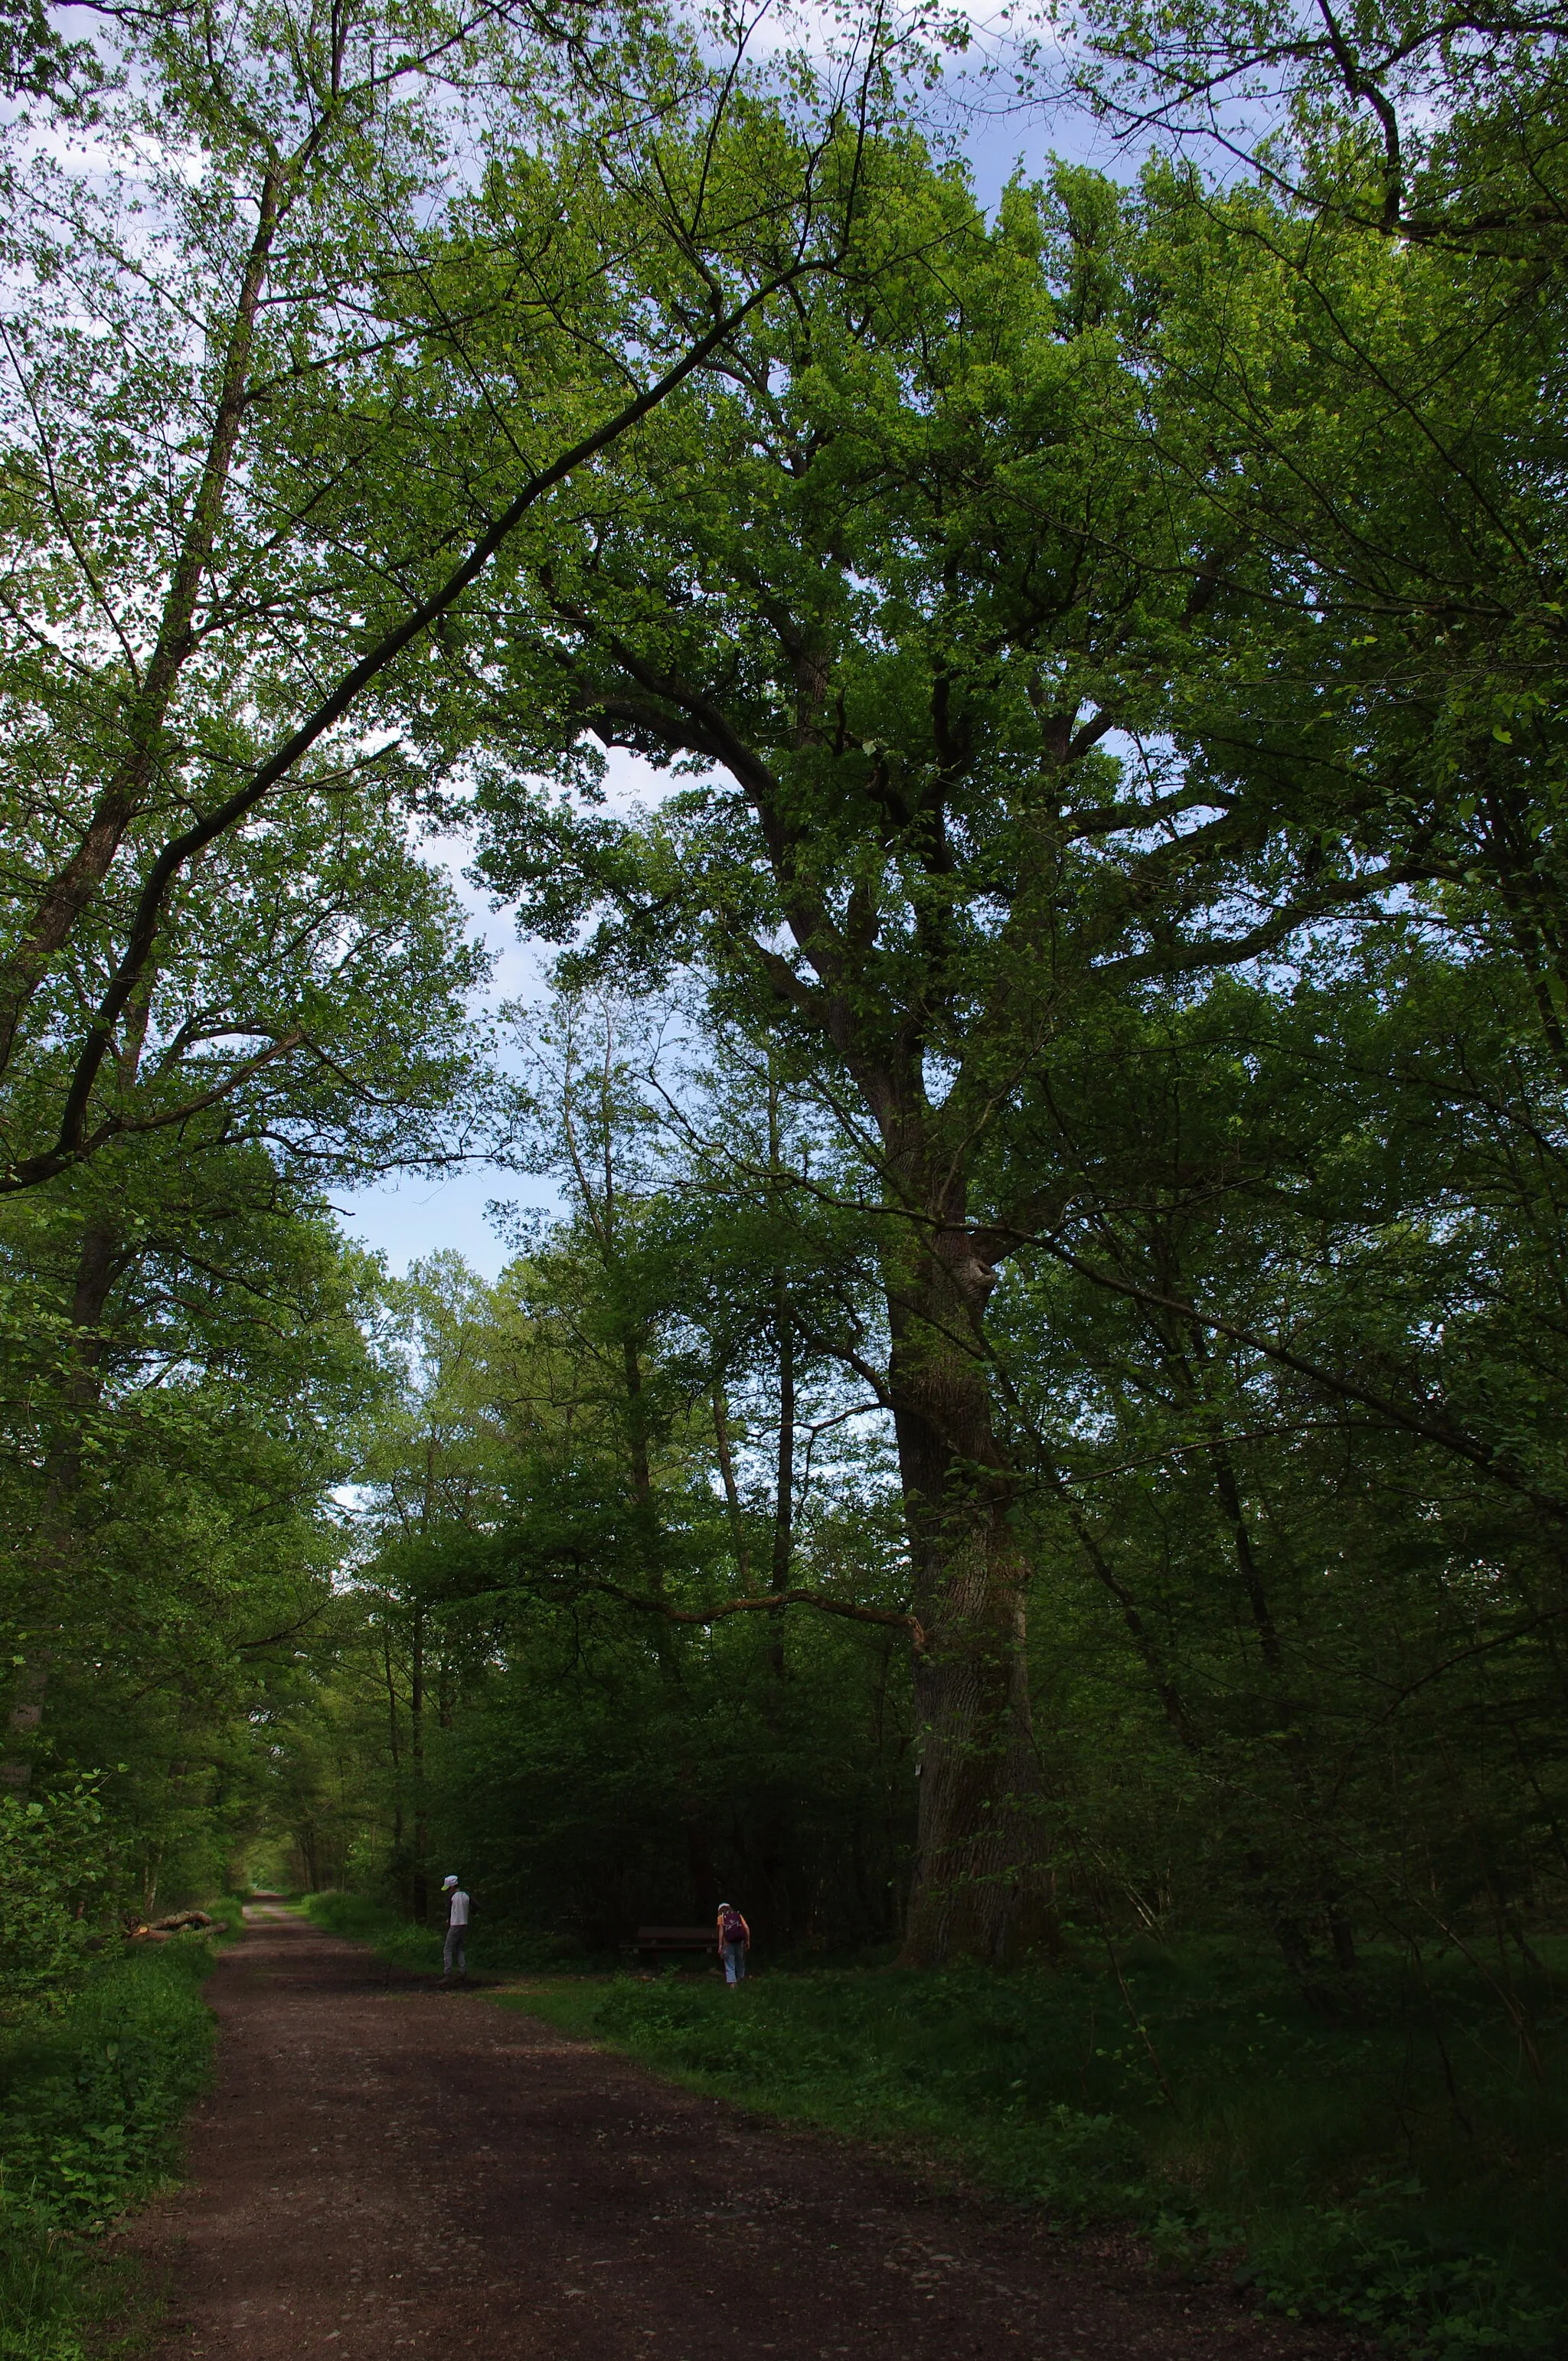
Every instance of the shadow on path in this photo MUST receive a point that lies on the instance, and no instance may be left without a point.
(387, 2168)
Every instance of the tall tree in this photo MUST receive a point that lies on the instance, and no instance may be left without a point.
(896, 582)
(183, 1371)
(342, 297)
(333, 910)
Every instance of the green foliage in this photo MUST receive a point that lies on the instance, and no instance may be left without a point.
(1087, 1024)
(54, 1866)
(1328, 2170)
(365, 1919)
(495, 1949)
(572, 1790)
(167, 1530)
(64, 2299)
(92, 2098)
(1060, 1114)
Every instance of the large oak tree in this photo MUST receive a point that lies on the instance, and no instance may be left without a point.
(927, 587)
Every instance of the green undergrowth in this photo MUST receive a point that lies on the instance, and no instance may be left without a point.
(1406, 2175)
(392, 1936)
(94, 2092)
(494, 1948)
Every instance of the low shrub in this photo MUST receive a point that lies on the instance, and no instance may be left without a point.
(54, 1867)
(495, 1947)
(94, 2092)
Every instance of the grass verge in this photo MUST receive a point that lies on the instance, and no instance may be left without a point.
(389, 1934)
(93, 2097)
(1406, 2175)
(494, 1949)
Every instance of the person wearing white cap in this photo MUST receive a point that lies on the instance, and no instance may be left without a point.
(456, 1928)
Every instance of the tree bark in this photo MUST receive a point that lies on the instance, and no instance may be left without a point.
(980, 1888)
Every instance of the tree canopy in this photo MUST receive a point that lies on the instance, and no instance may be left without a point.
(1038, 1386)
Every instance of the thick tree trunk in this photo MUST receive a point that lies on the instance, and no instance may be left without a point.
(981, 1888)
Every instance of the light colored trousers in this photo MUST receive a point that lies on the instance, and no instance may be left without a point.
(458, 1947)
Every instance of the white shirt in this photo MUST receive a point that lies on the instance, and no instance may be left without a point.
(457, 1915)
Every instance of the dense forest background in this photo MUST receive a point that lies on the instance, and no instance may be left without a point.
(1033, 1408)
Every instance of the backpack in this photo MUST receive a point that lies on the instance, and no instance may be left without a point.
(734, 1926)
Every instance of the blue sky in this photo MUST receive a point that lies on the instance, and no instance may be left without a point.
(414, 1216)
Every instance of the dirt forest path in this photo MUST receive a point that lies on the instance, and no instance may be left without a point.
(384, 2167)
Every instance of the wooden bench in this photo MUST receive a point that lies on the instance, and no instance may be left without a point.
(670, 1942)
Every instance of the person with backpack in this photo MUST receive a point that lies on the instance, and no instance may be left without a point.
(456, 1946)
(734, 1942)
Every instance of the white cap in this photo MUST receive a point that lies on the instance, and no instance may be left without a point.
(446, 1882)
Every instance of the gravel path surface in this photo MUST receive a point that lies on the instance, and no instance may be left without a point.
(385, 2168)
